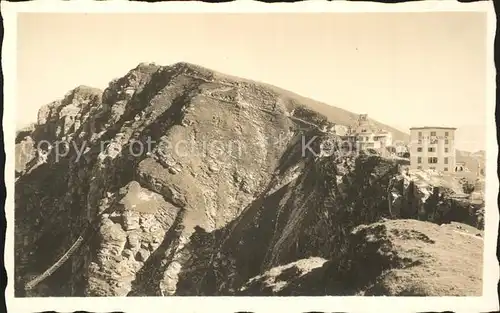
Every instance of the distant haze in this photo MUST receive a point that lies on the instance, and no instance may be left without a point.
(402, 69)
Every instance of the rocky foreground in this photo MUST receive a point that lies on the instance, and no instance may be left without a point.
(390, 258)
(177, 180)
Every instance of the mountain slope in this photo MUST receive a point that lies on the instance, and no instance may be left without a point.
(332, 113)
(177, 180)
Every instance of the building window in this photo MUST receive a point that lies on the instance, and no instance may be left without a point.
(363, 130)
(420, 141)
(431, 149)
(433, 160)
(419, 160)
(446, 169)
(433, 134)
(419, 134)
(419, 149)
(445, 160)
(434, 141)
(446, 150)
(446, 134)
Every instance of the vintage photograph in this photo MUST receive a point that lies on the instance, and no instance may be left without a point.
(259, 154)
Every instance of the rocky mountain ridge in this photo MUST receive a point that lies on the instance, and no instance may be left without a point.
(177, 180)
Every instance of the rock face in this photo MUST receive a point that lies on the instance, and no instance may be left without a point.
(128, 237)
(184, 181)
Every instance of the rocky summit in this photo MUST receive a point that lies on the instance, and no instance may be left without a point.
(178, 180)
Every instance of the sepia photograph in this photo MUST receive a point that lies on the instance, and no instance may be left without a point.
(266, 154)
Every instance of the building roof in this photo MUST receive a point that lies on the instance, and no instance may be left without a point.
(432, 127)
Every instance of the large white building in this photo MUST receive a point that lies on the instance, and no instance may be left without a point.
(432, 148)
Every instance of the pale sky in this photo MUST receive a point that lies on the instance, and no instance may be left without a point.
(402, 69)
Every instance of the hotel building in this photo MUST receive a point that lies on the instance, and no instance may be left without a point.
(432, 148)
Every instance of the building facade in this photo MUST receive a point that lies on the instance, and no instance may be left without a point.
(433, 148)
(368, 136)
(374, 140)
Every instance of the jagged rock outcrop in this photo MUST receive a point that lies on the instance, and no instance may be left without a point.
(432, 196)
(128, 236)
(25, 149)
(184, 181)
